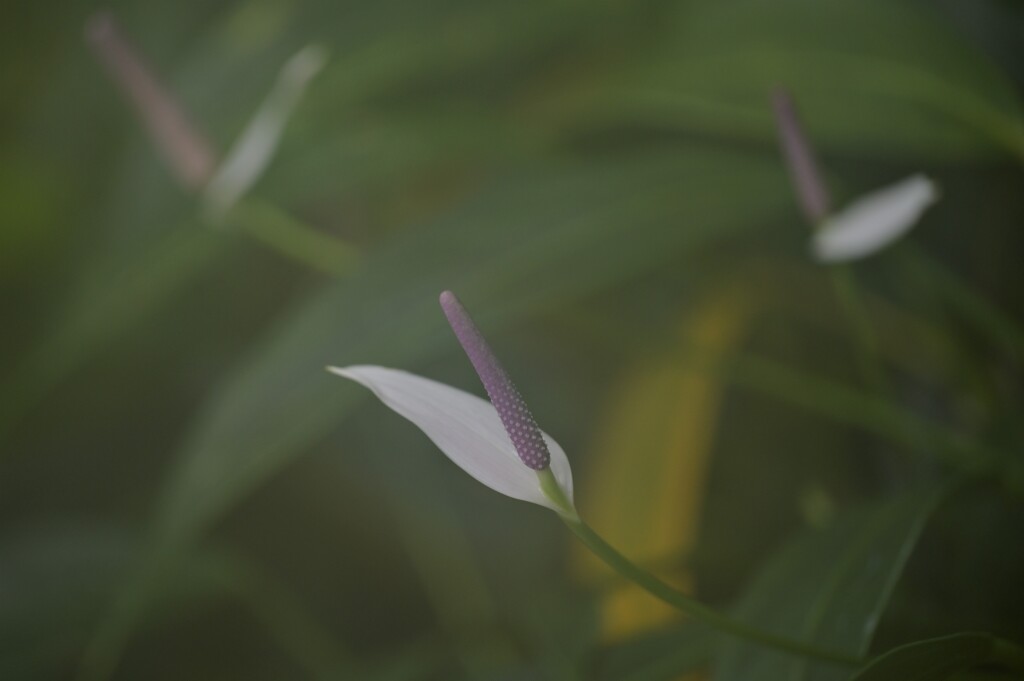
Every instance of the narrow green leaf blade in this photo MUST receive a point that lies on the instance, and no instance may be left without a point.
(828, 588)
(870, 76)
(930, 660)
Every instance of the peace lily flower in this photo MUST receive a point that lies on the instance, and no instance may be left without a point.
(867, 225)
(875, 220)
(499, 444)
(496, 442)
(188, 154)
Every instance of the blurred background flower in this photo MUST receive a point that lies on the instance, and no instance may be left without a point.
(185, 493)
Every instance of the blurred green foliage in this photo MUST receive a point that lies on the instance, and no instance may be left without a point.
(185, 493)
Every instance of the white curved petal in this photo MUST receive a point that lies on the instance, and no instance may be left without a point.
(251, 153)
(874, 220)
(466, 428)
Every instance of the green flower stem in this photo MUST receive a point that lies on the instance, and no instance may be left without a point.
(553, 491)
(852, 304)
(694, 609)
(292, 238)
(872, 368)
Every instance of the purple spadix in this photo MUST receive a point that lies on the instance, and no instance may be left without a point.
(803, 167)
(515, 415)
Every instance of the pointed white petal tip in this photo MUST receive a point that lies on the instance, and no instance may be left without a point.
(874, 221)
(466, 429)
(251, 154)
(305, 64)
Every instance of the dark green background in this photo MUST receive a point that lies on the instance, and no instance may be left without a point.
(580, 173)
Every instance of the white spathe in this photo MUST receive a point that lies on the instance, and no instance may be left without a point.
(874, 221)
(466, 428)
(252, 152)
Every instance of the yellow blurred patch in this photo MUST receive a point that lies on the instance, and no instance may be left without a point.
(646, 484)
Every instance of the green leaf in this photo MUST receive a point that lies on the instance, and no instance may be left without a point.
(55, 584)
(876, 77)
(828, 588)
(930, 660)
(136, 285)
